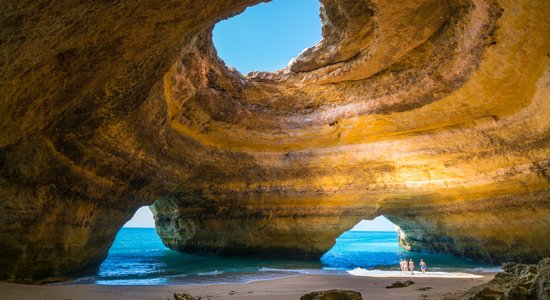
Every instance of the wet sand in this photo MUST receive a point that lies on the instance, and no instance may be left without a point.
(416, 274)
(288, 288)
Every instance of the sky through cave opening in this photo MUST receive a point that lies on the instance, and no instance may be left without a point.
(370, 243)
(266, 36)
(143, 218)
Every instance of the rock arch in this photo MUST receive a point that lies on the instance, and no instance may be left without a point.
(433, 113)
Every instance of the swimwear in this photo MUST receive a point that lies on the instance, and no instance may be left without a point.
(422, 267)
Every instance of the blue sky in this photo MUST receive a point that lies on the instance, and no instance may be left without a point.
(142, 218)
(380, 223)
(266, 36)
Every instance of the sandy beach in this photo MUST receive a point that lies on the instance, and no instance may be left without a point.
(371, 288)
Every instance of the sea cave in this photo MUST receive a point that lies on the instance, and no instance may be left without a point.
(434, 114)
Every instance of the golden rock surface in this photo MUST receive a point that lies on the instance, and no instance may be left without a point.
(433, 113)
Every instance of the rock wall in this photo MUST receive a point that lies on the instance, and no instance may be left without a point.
(433, 113)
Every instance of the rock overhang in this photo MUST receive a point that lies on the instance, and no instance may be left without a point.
(433, 113)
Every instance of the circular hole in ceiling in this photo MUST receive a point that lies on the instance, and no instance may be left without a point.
(265, 37)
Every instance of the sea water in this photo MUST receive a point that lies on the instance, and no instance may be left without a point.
(138, 257)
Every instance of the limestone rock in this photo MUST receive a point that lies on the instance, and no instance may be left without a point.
(333, 295)
(542, 280)
(484, 293)
(516, 292)
(400, 284)
(515, 282)
(432, 113)
(183, 296)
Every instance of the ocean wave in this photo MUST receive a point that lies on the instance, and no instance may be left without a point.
(215, 272)
(266, 269)
(324, 271)
(484, 270)
(380, 273)
(133, 281)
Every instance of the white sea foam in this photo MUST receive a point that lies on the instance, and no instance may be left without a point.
(324, 271)
(277, 270)
(484, 270)
(215, 272)
(380, 273)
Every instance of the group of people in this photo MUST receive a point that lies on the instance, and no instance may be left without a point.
(409, 266)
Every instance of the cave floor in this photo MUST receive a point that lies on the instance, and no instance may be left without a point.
(283, 288)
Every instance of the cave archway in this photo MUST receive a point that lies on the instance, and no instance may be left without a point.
(139, 257)
(369, 244)
(137, 253)
(376, 244)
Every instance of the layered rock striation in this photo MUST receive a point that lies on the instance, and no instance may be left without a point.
(432, 113)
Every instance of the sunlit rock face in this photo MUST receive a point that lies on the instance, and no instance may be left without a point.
(433, 113)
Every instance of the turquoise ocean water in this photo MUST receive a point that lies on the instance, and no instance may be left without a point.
(138, 257)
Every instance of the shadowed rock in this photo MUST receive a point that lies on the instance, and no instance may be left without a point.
(400, 284)
(433, 113)
(542, 280)
(515, 282)
(183, 296)
(333, 295)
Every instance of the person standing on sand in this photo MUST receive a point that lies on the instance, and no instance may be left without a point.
(401, 264)
(422, 266)
(411, 266)
(404, 266)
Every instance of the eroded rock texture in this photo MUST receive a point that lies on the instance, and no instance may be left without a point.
(433, 113)
(515, 282)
